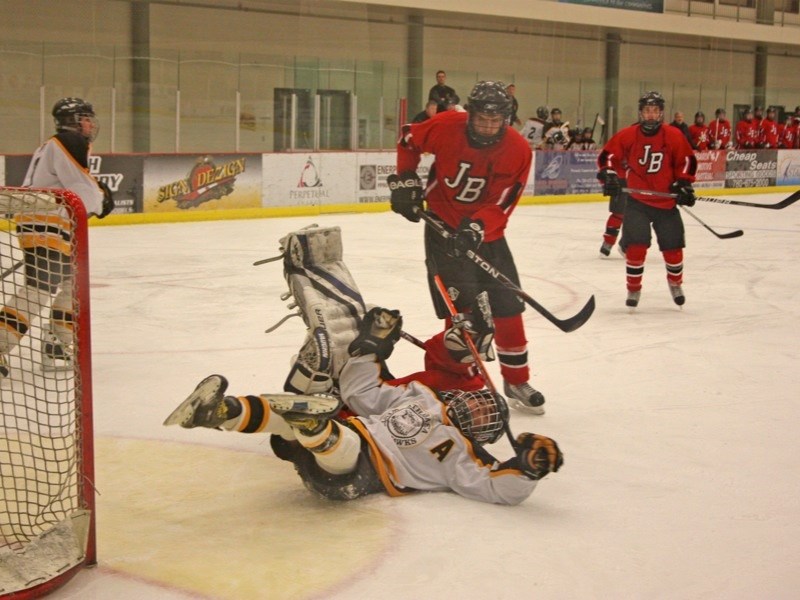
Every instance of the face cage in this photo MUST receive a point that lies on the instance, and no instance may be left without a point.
(492, 410)
(651, 125)
(73, 123)
(484, 141)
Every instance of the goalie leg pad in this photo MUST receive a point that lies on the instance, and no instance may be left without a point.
(323, 288)
(311, 371)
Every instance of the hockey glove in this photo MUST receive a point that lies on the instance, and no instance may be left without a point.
(468, 237)
(406, 194)
(479, 325)
(108, 199)
(611, 182)
(685, 192)
(379, 331)
(538, 455)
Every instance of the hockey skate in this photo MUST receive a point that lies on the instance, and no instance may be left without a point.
(677, 294)
(206, 406)
(55, 355)
(4, 370)
(523, 397)
(309, 414)
(633, 298)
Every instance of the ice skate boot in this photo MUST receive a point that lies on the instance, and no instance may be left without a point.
(309, 414)
(677, 294)
(523, 397)
(206, 406)
(55, 355)
(633, 299)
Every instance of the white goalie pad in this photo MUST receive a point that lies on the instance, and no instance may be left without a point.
(329, 302)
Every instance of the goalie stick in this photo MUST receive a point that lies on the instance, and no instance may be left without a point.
(476, 355)
(566, 325)
(790, 199)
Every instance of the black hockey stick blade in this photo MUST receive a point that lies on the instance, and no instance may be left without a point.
(722, 236)
(566, 325)
(790, 199)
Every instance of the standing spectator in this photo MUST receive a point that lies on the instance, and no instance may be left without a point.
(512, 90)
(747, 132)
(442, 94)
(678, 120)
(769, 133)
(482, 167)
(719, 131)
(431, 108)
(61, 162)
(533, 130)
(698, 131)
(556, 132)
(649, 156)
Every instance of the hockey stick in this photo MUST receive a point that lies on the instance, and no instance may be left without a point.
(565, 325)
(476, 355)
(722, 236)
(11, 269)
(790, 199)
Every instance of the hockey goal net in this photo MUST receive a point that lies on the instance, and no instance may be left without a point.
(46, 442)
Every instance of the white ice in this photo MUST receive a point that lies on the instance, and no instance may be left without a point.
(679, 426)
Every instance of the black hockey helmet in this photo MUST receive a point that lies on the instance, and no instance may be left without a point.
(719, 111)
(699, 115)
(68, 112)
(651, 98)
(488, 98)
(480, 415)
(543, 112)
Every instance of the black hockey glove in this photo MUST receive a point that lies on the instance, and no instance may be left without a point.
(406, 194)
(468, 236)
(108, 199)
(379, 331)
(611, 182)
(538, 455)
(685, 192)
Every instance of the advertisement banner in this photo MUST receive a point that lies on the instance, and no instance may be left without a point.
(201, 181)
(551, 173)
(374, 167)
(311, 179)
(751, 168)
(710, 169)
(582, 172)
(788, 167)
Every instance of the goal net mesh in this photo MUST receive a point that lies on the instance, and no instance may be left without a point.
(45, 417)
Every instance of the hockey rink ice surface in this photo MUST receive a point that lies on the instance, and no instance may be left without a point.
(679, 426)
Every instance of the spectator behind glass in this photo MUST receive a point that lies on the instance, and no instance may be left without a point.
(442, 94)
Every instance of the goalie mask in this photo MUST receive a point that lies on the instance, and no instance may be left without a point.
(75, 114)
(489, 106)
(543, 113)
(651, 112)
(480, 415)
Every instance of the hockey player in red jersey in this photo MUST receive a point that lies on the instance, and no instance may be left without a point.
(480, 170)
(748, 133)
(788, 136)
(719, 131)
(651, 157)
(699, 132)
(769, 130)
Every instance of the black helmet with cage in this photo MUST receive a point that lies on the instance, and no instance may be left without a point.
(480, 415)
(699, 117)
(543, 113)
(489, 99)
(68, 114)
(652, 98)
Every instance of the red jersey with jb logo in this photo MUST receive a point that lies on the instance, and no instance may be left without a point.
(650, 162)
(466, 182)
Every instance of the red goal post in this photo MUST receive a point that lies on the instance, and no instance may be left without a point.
(47, 512)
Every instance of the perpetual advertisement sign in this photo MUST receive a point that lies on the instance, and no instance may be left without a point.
(751, 168)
